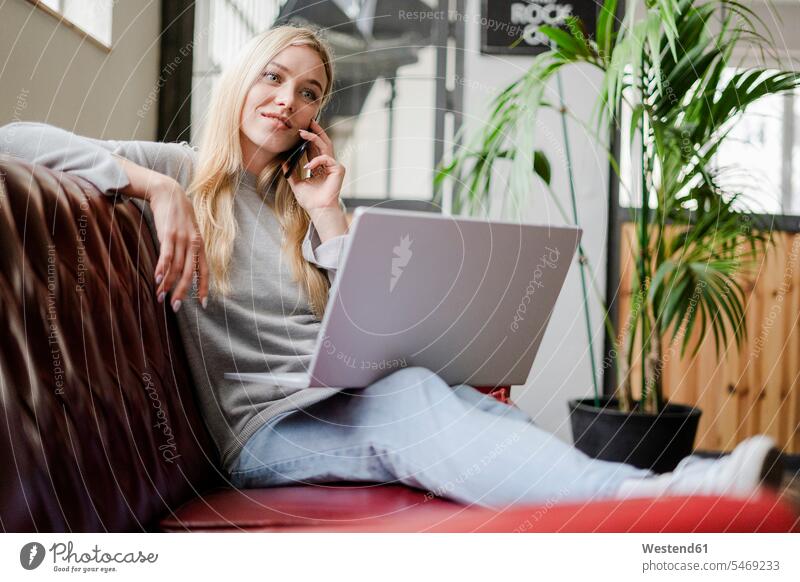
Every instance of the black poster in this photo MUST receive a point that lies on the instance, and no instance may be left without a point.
(516, 22)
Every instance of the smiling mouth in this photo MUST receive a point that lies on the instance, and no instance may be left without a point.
(278, 119)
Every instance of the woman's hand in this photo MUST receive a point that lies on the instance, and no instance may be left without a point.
(321, 190)
(182, 249)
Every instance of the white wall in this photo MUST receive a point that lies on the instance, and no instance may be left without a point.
(781, 18)
(48, 72)
(562, 368)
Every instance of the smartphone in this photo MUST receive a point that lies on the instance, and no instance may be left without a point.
(294, 157)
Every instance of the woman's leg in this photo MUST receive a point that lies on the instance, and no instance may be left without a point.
(489, 403)
(413, 428)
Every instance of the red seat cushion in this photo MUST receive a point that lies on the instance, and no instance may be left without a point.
(396, 508)
(319, 506)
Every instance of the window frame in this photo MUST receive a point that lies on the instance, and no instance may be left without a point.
(75, 27)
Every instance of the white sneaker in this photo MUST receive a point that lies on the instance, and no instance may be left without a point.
(755, 462)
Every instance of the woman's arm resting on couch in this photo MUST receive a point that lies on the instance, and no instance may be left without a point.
(94, 161)
(176, 225)
(60, 150)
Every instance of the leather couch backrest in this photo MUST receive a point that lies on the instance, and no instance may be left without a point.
(99, 428)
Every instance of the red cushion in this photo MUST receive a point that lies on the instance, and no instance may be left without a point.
(395, 508)
(323, 506)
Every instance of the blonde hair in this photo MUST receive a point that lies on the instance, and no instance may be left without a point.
(219, 166)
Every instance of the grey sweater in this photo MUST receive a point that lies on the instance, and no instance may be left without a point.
(264, 324)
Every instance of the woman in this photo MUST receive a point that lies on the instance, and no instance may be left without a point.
(247, 258)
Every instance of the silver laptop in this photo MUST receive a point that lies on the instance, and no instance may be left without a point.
(467, 298)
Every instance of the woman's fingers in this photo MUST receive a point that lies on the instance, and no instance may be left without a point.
(203, 275)
(317, 128)
(163, 267)
(312, 137)
(321, 160)
(178, 263)
(195, 263)
(176, 267)
(185, 279)
(182, 250)
(323, 146)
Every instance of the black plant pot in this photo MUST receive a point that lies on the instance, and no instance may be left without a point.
(647, 441)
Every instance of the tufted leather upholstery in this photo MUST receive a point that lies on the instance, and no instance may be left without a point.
(100, 430)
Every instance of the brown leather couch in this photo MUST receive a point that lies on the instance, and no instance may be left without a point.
(100, 428)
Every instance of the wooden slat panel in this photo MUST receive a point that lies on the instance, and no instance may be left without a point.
(757, 388)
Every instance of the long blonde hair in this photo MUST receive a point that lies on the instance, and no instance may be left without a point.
(219, 166)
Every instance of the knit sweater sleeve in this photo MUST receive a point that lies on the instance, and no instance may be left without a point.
(326, 255)
(93, 159)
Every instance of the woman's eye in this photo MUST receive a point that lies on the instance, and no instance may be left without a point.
(309, 94)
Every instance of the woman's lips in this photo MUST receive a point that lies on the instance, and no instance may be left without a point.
(275, 121)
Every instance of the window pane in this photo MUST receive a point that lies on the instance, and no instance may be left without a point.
(760, 159)
(388, 146)
(93, 16)
(751, 160)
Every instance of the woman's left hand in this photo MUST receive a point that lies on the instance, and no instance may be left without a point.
(322, 188)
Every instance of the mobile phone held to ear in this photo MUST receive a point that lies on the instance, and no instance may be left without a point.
(295, 156)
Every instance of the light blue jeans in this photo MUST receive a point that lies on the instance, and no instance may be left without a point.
(411, 427)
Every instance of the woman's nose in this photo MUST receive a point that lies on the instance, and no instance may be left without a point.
(285, 98)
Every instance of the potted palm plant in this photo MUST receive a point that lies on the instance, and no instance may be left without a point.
(668, 75)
